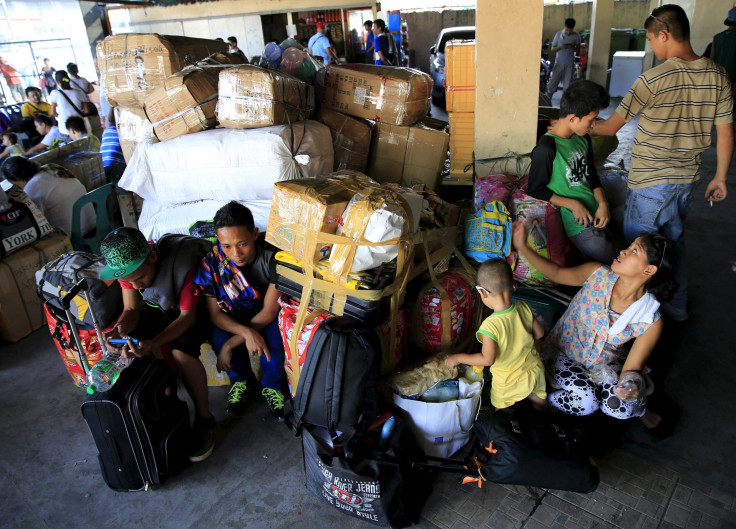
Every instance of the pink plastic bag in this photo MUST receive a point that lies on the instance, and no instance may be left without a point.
(493, 187)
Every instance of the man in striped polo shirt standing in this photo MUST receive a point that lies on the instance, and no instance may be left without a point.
(679, 101)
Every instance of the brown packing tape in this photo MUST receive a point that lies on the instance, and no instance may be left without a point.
(308, 282)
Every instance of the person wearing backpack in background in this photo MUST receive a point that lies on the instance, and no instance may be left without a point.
(77, 129)
(160, 309)
(238, 279)
(508, 338)
(78, 82)
(563, 171)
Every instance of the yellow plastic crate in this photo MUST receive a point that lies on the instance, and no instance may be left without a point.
(460, 76)
(462, 140)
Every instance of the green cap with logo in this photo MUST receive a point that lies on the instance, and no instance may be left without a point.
(124, 250)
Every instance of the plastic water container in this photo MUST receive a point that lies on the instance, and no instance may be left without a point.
(474, 373)
(103, 375)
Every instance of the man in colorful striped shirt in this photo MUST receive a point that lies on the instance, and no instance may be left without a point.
(679, 101)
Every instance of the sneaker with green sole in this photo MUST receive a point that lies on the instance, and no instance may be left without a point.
(237, 398)
(275, 402)
(203, 439)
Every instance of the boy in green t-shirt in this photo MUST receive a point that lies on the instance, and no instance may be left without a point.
(563, 171)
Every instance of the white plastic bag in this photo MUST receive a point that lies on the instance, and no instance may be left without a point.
(441, 428)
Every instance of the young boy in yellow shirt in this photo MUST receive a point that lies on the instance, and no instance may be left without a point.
(508, 338)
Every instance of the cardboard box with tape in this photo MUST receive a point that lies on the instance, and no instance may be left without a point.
(133, 64)
(133, 127)
(186, 101)
(351, 139)
(409, 155)
(398, 96)
(251, 97)
(21, 311)
(87, 168)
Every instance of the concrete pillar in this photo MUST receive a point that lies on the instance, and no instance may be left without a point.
(600, 41)
(507, 77)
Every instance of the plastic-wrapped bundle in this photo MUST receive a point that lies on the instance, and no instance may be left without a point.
(133, 64)
(251, 97)
(157, 220)
(228, 164)
(299, 64)
(399, 96)
(272, 53)
(133, 127)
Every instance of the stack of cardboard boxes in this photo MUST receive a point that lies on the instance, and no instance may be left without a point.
(460, 104)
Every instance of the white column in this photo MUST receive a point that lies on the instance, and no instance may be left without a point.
(600, 41)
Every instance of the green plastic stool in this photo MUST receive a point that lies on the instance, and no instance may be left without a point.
(104, 200)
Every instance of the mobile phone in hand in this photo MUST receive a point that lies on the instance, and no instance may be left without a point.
(123, 341)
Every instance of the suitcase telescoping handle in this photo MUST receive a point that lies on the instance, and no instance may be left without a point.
(66, 301)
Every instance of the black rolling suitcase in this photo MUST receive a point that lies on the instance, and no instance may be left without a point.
(140, 426)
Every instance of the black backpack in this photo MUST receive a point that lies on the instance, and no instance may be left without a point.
(337, 385)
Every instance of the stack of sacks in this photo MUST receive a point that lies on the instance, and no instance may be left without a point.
(186, 101)
(460, 104)
(197, 173)
(396, 99)
(251, 97)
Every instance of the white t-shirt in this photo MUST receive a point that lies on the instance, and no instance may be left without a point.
(81, 83)
(55, 197)
(64, 109)
(52, 135)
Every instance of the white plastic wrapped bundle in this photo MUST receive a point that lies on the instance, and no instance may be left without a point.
(228, 164)
(157, 220)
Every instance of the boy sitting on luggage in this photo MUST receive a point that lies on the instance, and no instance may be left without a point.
(237, 277)
(563, 171)
(160, 308)
(77, 129)
(508, 338)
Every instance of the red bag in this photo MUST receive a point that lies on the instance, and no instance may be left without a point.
(447, 322)
(287, 318)
(546, 234)
(68, 348)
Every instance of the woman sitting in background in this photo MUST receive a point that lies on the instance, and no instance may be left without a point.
(54, 195)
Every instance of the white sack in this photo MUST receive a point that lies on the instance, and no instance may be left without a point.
(157, 220)
(228, 164)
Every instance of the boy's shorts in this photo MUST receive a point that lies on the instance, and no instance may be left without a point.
(152, 321)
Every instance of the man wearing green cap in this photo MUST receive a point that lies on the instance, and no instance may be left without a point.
(160, 309)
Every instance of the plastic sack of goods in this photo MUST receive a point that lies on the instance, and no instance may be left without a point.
(157, 220)
(228, 164)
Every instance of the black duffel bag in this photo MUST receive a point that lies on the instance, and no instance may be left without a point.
(533, 449)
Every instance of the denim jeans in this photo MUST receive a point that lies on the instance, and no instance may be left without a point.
(594, 244)
(662, 209)
(273, 371)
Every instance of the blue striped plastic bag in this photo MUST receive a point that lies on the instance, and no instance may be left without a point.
(488, 233)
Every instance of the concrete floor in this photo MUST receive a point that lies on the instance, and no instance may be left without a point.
(49, 475)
